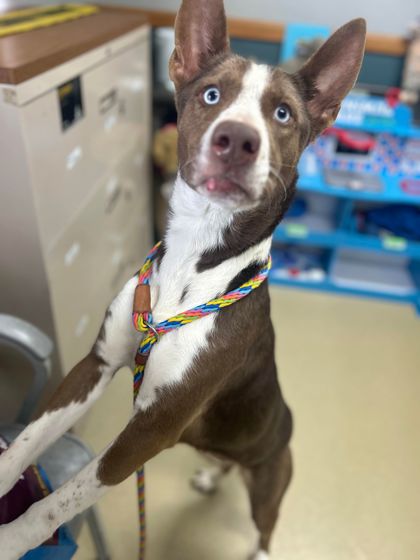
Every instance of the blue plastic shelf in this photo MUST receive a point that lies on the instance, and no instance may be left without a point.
(337, 230)
(381, 128)
(391, 193)
(361, 111)
(327, 285)
(296, 235)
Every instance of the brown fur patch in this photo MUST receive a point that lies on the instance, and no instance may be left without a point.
(249, 228)
(287, 141)
(77, 385)
(200, 36)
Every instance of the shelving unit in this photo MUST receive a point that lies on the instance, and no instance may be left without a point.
(351, 261)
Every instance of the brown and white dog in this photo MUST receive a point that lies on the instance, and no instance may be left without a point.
(212, 384)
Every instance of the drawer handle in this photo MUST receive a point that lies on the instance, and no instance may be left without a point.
(82, 325)
(113, 192)
(110, 122)
(72, 254)
(135, 83)
(108, 101)
(74, 157)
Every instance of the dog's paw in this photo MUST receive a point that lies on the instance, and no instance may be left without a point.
(259, 555)
(204, 482)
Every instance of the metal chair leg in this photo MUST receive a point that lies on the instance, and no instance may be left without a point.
(98, 535)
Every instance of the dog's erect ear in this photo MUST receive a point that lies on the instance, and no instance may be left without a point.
(332, 71)
(200, 34)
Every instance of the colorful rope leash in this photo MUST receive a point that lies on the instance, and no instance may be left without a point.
(143, 321)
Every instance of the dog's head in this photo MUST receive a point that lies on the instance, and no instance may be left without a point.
(242, 126)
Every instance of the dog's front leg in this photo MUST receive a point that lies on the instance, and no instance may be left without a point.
(40, 521)
(152, 429)
(142, 438)
(115, 347)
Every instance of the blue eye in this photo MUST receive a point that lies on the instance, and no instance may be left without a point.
(282, 114)
(211, 96)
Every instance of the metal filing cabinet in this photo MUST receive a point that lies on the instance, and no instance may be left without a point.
(75, 216)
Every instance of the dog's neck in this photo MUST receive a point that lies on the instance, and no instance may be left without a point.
(199, 229)
(196, 225)
(214, 234)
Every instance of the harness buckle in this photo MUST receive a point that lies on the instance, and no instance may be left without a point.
(152, 328)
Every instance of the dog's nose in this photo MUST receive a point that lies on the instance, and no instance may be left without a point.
(236, 143)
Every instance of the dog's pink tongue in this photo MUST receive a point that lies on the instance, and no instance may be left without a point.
(219, 185)
(211, 184)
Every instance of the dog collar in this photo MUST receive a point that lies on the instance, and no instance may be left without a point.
(142, 310)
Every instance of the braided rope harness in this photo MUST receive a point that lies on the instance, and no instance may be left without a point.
(143, 322)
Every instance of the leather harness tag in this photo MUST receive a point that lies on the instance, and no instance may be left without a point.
(142, 302)
(141, 359)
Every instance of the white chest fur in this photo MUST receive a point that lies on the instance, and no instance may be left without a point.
(196, 226)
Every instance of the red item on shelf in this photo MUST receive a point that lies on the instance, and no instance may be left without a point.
(392, 96)
(411, 186)
(359, 141)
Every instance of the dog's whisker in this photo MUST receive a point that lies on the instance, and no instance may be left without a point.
(280, 179)
(190, 162)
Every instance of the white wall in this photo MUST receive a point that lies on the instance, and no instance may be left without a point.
(383, 16)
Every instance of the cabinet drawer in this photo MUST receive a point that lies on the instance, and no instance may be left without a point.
(79, 305)
(117, 98)
(78, 327)
(67, 164)
(100, 249)
(76, 281)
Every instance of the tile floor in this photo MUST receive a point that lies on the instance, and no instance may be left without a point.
(350, 369)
